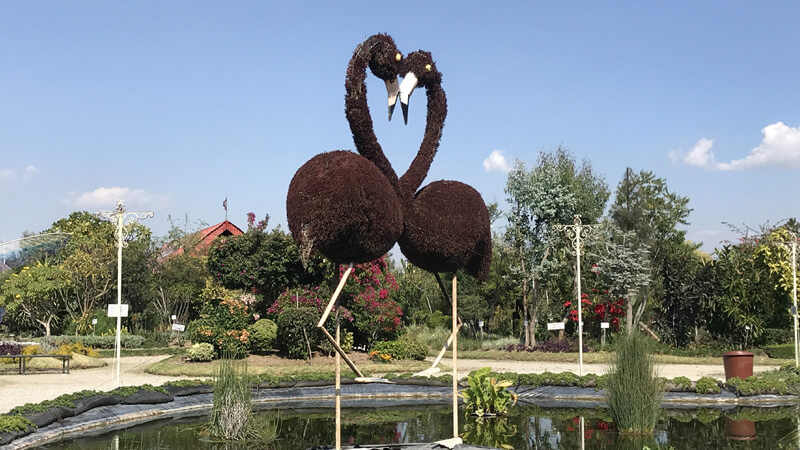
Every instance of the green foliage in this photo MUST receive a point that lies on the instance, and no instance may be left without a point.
(127, 391)
(493, 432)
(189, 383)
(346, 342)
(707, 385)
(10, 423)
(486, 396)
(368, 291)
(407, 347)
(223, 324)
(62, 401)
(178, 284)
(682, 382)
(781, 351)
(262, 335)
(633, 391)
(36, 294)
(266, 261)
(232, 408)
(126, 340)
(202, 351)
(297, 332)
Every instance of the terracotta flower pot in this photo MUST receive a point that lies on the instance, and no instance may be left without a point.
(738, 364)
(740, 430)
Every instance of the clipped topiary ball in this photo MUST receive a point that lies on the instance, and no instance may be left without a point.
(341, 205)
(262, 335)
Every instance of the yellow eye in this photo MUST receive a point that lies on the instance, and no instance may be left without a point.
(428, 67)
(398, 57)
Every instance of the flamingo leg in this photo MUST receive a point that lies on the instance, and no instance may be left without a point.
(326, 314)
(433, 368)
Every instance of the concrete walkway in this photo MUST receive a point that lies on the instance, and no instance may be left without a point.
(16, 390)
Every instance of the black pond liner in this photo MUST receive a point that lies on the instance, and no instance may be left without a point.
(100, 414)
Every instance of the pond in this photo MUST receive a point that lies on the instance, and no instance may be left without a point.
(525, 428)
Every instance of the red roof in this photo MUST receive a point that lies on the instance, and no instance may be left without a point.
(204, 238)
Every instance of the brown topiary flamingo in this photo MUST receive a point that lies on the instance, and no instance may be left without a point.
(341, 203)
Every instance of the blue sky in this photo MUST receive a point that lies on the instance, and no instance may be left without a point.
(176, 105)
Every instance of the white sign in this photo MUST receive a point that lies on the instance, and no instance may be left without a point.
(174, 317)
(178, 327)
(113, 310)
(603, 324)
(480, 323)
(94, 321)
(555, 326)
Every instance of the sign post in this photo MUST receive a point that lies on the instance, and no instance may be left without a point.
(604, 327)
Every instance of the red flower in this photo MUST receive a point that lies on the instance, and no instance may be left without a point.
(567, 304)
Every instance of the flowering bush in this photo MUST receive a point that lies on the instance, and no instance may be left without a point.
(313, 297)
(599, 307)
(379, 356)
(223, 324)
(376, 316)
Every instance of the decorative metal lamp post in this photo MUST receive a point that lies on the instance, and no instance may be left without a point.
(576, 233)
(792, 245)
(124, 221)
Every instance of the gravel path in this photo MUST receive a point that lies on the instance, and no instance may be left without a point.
(17, 389)
(691, 371)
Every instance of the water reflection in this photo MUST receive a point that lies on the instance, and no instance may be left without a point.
(525, 428)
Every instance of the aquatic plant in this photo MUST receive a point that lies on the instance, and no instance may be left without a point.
(633, 391)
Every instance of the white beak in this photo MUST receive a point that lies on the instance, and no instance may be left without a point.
(406, 89)
(392, 89)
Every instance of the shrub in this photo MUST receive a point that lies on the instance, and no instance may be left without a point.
(126, 340)
(346, 342)
(485, 395)
(223, 324)
(707, 385)
(297, 332)
(368, 292)
(379, 356)
(202, 351)
(682, 382)
(633, 391)
(407, 347)
(262, 335)
(775, 336)
(10, 348)
(551, 346)
(76, 347)
(781, 351)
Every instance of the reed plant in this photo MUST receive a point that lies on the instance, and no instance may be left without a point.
(633, 389)
(232, 407)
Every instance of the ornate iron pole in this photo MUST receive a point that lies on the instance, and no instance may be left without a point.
(576, 233)
(792, 245)
(119, 217)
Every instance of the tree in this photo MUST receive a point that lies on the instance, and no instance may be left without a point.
(626, 266)
(265, 262)
(649, 214)
(36, 294)
(179, 282)
(89, 258)
(551, 193)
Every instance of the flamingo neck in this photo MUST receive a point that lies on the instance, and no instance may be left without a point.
(418, 170)
(357, 111)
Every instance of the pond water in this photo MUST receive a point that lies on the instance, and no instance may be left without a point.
(525, 428)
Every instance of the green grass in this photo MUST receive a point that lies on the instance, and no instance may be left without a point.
(175, 367)
(633, 391)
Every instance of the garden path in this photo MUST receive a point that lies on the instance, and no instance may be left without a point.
(691, 371)
(16, 390)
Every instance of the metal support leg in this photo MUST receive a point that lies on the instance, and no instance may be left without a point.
(324, 318)
(455, 358)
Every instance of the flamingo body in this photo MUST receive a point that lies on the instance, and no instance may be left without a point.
(340, 204)
(446, 228)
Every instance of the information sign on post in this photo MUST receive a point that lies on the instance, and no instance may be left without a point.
(178, 327)
(555, 326)
(604, 324)
(114, 310)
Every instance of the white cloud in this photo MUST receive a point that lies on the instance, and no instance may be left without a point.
(780, 147)
(106, 197)
(496, 161)
(11, 175)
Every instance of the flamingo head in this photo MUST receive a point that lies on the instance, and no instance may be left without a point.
(420, 70)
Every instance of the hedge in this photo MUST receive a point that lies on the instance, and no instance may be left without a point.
(780, 351)
(126, 340)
